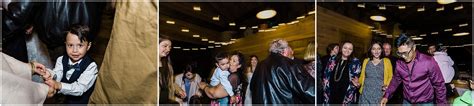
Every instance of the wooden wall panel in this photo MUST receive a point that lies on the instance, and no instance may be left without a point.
(298, 36)
(335, 28)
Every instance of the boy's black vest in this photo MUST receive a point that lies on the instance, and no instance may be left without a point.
(84, 98)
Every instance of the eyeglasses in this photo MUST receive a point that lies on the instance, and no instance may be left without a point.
(404, 54)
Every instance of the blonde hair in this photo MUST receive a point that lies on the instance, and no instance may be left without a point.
(309, 53)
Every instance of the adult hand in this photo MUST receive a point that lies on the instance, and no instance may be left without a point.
(383, 102)
(47, 76)
(181, 94)
(50, 83)
(355, 82)
(39, 68)
(233, 99)
(51, 92)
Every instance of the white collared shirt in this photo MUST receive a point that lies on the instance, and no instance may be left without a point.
(83, 83)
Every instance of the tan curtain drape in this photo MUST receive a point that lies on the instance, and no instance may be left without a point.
(128, 74)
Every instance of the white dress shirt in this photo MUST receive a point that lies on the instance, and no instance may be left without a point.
(83, 83)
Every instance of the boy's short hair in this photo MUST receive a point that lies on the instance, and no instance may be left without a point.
(82, 31)
(220, 56)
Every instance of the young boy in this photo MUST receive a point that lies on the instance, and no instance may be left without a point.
(75, 73)
(221, 74)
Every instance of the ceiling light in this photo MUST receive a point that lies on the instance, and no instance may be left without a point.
(196, 36)
(275, 27)
(440, 9)
(242, 27)
(216, 18)
(270, 30)
(266, 14)
(184, 30)
(417, 38)
(224, 44)
(311, 12)
(194, 49)
(468, 45)
(402, 7)
(218, 46)
(232, 39)
(294, 22)
(461, 34)
(203, 48)
(170, 22)
(371, 27)
(204, 40)
(211, 41)
(446, 30)
(254, 27)
(421, 9)
(382, 7)
(232, 24)
(176, 47)
(361, 5)
(373, 30)
(300, 17)
(378, 18)
(446, 1)
(383, 34)
(282, 24)
(458, 7)
(463, 25)
(389, 36)
(434, 33)
(261, 30)
(197, 8)
(210, 47)
(422, 34)
(186, 49)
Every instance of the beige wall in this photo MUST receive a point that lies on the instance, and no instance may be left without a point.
(334, 28)
(298, 35)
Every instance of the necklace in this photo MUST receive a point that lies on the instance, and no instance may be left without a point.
(337, 79)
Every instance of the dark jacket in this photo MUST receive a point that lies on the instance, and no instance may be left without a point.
(280, 80)
(84, 98)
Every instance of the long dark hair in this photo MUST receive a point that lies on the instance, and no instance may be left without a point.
(250, 60)
(189, 67)
(166, 72)
(369, 53)
(241, 62)
(240, 71)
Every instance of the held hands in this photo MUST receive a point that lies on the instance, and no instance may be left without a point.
(40, 69)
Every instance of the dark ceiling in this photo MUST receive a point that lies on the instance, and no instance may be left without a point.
(201, 23)
(414, 22)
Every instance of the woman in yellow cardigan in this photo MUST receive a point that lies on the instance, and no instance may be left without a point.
(375, 75)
